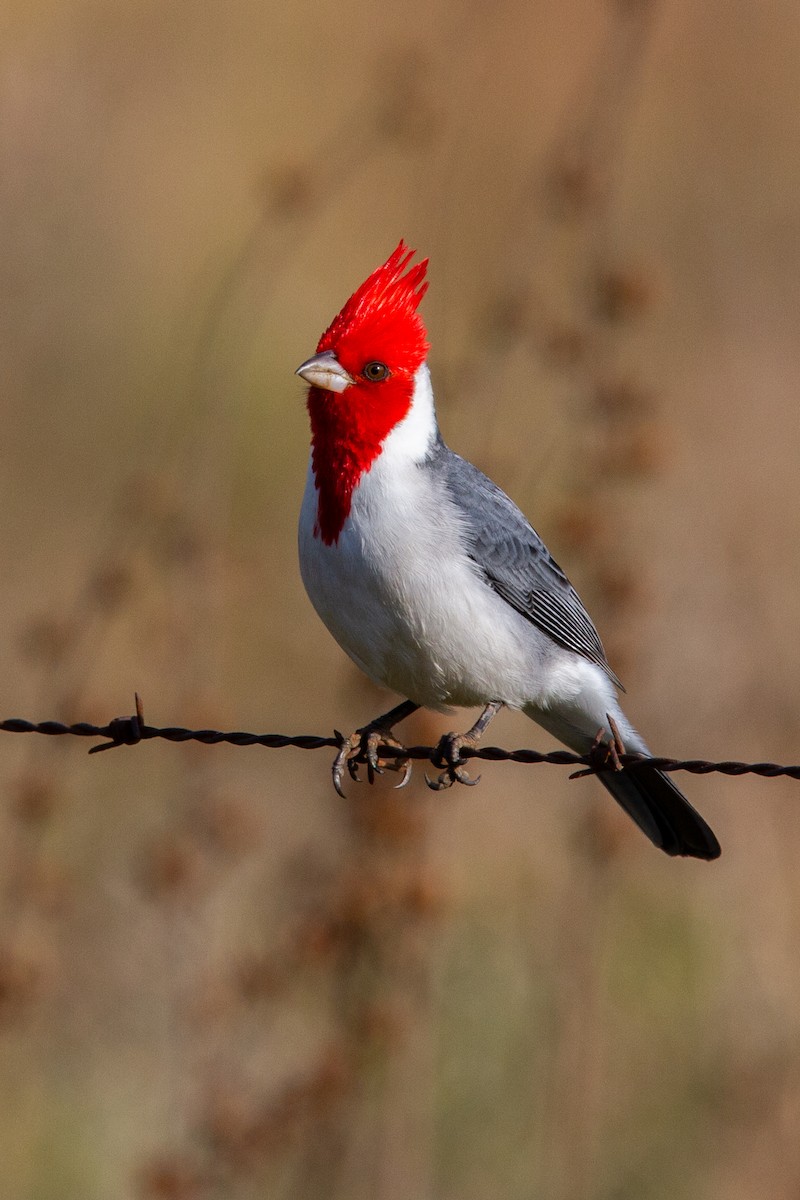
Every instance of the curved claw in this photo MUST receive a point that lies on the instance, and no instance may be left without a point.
(337, 771)
(464, 778)
(371, 744)
(352, 767)
(405, 767)
(448, 755)
(345, 757)
(451, 775)
(362, 747)
(441, 782)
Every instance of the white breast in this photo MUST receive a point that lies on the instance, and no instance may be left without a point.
(399, 593)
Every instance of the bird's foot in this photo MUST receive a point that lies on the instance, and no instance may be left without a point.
(448, 756)
(362, 748)
(448, 752)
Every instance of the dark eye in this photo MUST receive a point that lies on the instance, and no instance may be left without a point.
(375, 372)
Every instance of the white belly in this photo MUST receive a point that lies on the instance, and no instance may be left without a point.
(399, 594)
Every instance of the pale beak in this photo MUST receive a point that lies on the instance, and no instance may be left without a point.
(325, 371)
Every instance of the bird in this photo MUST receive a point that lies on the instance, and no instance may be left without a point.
(433, 581)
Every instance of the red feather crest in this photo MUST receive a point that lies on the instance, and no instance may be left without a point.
(380, 320)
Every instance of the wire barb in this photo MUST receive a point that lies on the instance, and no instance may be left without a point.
(130, 731)
(605, 753)
(124, 731)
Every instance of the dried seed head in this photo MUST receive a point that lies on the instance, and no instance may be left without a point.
(47, 639)
(602, 834)
(623, 294)
(22, 977)
(406, 114)
(258, 977)
(229, 825)
(172, 866)
(582, 525)
(507, 317)
(424, 897)
(621, 398)
(388, 817)
(639, 451)
(381, 1025)
(172, 1178)
(565, 345)
(36, 797)
(110, 585)
(574, 185)
(287, 191)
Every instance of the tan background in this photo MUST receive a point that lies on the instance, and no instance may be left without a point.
(217, 979)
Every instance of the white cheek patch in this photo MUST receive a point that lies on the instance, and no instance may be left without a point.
(411, 439)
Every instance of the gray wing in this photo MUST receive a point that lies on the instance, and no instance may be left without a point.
(515, 560)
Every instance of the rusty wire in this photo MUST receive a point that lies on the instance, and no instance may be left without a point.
(129, 731)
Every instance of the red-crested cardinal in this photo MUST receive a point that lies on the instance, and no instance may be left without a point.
(433, 581)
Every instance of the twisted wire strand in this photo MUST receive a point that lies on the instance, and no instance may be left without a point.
(129, 731)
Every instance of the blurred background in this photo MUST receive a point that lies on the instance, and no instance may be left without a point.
(217, 979)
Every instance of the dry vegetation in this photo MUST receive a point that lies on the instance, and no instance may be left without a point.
(217, 980)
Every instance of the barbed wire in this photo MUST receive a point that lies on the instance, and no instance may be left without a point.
(131, 730)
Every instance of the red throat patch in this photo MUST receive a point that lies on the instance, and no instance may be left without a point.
(379, 324)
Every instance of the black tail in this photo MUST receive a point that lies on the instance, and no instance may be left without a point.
(661, 811)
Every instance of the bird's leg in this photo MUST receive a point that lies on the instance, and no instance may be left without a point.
(363, 745)
(448, 752)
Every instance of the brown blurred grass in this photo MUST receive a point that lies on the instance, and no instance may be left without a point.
(216, 979)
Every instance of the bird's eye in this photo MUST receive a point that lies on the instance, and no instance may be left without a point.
(375, 372)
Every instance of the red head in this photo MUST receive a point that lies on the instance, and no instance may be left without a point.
(362, 381)
(380, 320)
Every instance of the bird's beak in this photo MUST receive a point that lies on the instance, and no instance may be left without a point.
(325, 371)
